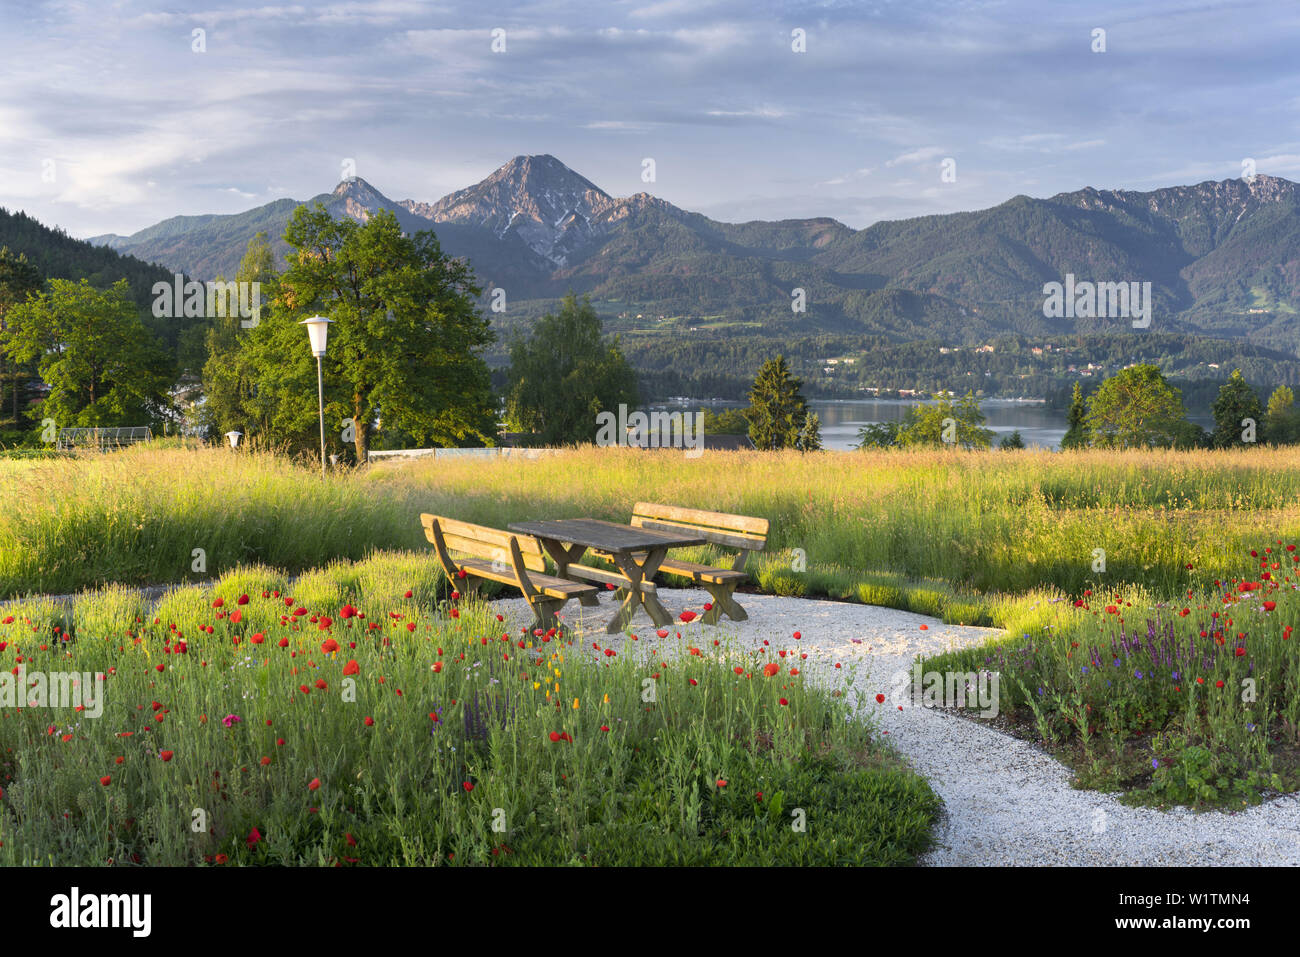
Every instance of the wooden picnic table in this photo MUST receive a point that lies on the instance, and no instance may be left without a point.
(637, 552)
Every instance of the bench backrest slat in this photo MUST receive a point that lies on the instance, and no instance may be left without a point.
(480, 541)
(720, 528)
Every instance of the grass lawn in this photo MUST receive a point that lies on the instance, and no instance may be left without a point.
(372, 718)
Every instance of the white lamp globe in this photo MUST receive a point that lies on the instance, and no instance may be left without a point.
(317, 331)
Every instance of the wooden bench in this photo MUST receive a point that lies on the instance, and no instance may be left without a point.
(741, 532)
(502, 557)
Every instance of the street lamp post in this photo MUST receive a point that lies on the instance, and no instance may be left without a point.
(318, 332)
(233, 437)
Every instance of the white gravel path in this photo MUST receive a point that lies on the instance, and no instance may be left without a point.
(1007, 802)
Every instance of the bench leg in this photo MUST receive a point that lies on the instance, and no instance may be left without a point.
(544, 610)
(723, 603)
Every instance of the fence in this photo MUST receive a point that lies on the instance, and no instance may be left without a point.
(103, 439)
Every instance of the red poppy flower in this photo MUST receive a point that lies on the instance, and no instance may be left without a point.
(106, 780)
(254, 837)
(783, 702)
(370, 722)
(166, 755)
(351, 668)
(347, 611)
(721, 783)
(1218, 684)
(236, 616)
(329, 646)
(408, 594)
(687, 616)
(284, 642)
(467, 786)
(880, 699)
(265, 760)
(770, 669)
(555, 736)
(218, 603)
(320, 683)
(314, 784)
(1270, 605)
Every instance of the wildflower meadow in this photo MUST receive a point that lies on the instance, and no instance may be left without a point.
(369, 715)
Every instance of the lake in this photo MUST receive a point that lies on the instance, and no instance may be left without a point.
(1039, 426)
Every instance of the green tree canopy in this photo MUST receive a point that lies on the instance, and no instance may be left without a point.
(944, 422)
(229, 378)
(1281, 420)
(777, 410)
(101, 364)
(1236, 412)
(1137, 408)
(565, 374)
(726, 422)
(878, 435)
(405, 340)
(18, 279)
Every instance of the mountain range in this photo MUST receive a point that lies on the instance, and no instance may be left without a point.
(1223, 257)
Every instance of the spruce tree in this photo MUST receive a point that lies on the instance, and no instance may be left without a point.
(777, 411)
(1236, 403)
(1078, 435)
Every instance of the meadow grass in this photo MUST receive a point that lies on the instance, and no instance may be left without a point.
(966, 536)
(338, 725)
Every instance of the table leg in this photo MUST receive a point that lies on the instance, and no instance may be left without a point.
(636, 574)
(563, 558)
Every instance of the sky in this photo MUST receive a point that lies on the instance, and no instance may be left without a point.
(115, 115)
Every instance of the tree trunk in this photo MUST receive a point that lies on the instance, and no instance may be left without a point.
(361, 426)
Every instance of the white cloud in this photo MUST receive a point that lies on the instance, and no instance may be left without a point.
(922, 155)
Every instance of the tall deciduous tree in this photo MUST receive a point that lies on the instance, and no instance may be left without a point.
(1137, 408)
(1237, 413)
(18, 279)
(229, 378)
(565, 374)
(405, 343)
(101, 364)
(777, 410)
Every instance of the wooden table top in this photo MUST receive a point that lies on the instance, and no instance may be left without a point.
(605, 536)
